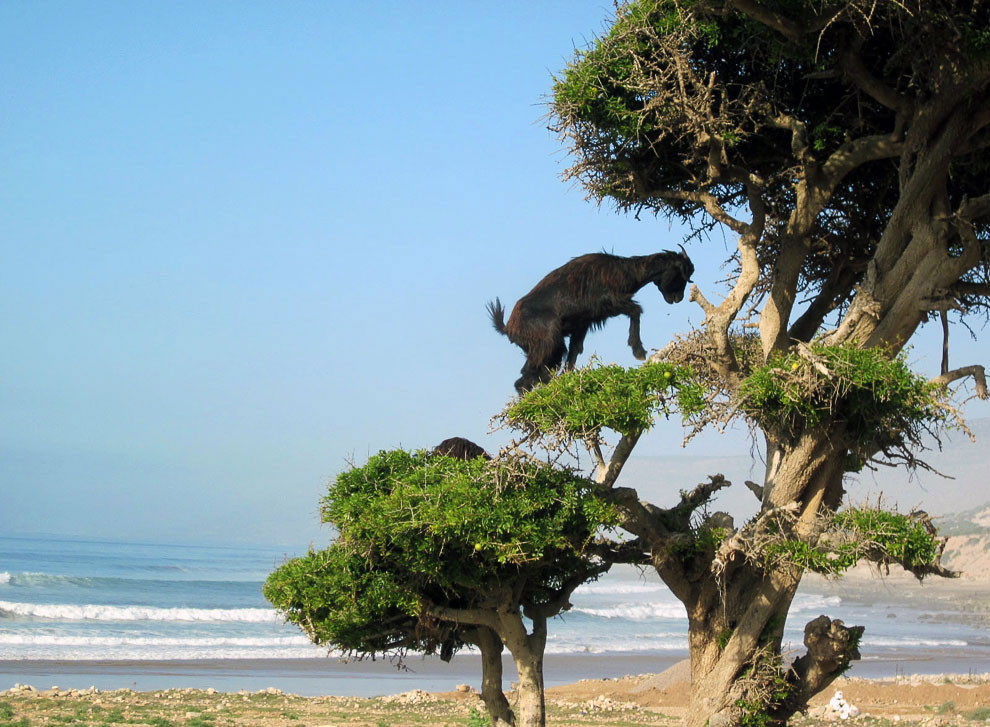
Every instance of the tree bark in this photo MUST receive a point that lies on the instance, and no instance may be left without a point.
(531, 703)
(491, 676)
(736, 612)
(527, 653)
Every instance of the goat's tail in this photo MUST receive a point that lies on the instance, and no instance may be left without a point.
(497, 312)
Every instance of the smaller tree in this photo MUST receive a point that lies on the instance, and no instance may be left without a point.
(435, 552)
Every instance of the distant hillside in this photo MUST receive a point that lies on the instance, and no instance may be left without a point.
(970, 522)
(963, 463)
(968, 548)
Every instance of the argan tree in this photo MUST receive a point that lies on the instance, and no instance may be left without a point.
(843, 146)
(434, 552)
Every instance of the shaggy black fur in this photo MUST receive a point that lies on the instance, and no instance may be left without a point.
(580, 295)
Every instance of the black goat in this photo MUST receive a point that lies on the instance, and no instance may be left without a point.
(580, 295)
(460, 448)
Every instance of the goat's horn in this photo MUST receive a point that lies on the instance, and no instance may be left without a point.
(683, 251)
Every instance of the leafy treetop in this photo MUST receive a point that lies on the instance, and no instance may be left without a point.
(418, 530)
(831, 135)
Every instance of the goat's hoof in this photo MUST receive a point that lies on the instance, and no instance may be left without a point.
(640, 354)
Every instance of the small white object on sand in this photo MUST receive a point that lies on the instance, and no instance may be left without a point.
(838, 707)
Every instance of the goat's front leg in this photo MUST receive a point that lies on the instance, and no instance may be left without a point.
(575, 347)
(633, 310)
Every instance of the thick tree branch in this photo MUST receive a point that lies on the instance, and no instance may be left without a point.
(831, 647)
(974, 208)
(470, 616)
(970, 289)
(561, 600)
(607, 474)
(784, 26)
(755, 489)
(709, 203)
(854, 154)
(856, 72)
(977, 372)
(641, 517)
(836, 289)
(702, 493)
(635, 552)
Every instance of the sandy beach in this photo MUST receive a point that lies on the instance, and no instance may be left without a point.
(933, 701)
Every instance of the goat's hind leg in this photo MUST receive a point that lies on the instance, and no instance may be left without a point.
(542, 362)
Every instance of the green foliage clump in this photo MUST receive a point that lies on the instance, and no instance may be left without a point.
(724, 637)
(114, 716)
(879, 536)
(773, 689)
(476, 718)
(582, 402)
(415, 527)
(905, 539)
(753, 714)
(817, 558)
(340, 599)
(703, 541)
(595, 83)
(452, 519)
(879, 398)
(980, 714)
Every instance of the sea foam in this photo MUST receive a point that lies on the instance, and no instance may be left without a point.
(151, 641)
(620, 588)
(637, 611)
(93, 612)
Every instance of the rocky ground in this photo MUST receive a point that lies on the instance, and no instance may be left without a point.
(939, 701)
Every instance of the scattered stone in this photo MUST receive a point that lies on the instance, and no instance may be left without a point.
(21, 689)
(416, 696)
(464, 688)
(602, 703)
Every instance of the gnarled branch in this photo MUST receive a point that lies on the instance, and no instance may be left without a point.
(976, 371)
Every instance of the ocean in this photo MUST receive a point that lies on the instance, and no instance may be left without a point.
(117, 614)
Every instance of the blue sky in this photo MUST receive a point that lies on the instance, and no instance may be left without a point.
(243, 243)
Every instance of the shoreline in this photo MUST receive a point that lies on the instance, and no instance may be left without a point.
(314, 677)
(366, 678)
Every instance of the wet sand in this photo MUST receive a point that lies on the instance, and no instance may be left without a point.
(312, 677)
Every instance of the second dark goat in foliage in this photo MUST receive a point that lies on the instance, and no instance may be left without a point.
(460, 448)
(580, 295)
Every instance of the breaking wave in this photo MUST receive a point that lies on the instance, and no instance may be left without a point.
(637, 611)
(93, 612)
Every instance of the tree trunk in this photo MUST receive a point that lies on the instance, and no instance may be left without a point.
(527, 653)
(735, 647)
(531, 704)
(736, 612)
(491, 677)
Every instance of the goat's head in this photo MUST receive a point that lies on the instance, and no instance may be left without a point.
(675, 276)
